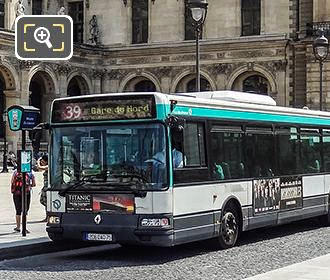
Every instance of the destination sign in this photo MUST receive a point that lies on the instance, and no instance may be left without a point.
(104, 108)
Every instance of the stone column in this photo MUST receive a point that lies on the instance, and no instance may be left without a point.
(10, 14)
(222, 72)
(62, 71)
(97, 81)
(165, 78)
(25, 67)
(113, 77)
(282, 98)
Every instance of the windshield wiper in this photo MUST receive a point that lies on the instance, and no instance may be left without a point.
(77, 184)
(136, 192)
(132, 176)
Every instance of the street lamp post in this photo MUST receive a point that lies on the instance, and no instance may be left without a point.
(198, 10)
(4, 163)
(321, 50)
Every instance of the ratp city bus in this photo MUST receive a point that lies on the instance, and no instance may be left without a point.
(241, 163)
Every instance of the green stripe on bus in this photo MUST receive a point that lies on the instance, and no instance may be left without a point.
(239, 115)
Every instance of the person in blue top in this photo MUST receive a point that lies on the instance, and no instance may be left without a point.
(177, 157)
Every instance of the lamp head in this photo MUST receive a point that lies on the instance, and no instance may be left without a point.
(321, 47)
(198, 10)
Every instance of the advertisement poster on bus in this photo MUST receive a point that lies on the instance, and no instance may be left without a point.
(113, 203)
(291, 192)
(276, 194)
(79, 202)
(267, 195)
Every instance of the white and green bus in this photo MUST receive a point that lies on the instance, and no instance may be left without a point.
(161, 170)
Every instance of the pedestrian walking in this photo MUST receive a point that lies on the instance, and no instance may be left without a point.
(12, 160)
(42, 165)
(16, 190)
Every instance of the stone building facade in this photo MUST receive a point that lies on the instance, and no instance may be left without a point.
(262, 46)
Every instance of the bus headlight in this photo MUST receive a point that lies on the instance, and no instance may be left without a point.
(54, 220)
(154, 222)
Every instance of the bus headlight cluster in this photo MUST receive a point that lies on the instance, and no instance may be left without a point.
(161, 222)
(54, 220)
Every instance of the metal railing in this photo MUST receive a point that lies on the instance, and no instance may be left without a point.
(313, 29)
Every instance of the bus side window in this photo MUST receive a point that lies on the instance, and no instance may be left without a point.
(226, 152)
(194, 145)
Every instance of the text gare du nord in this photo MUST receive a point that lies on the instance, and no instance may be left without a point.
(120, 109)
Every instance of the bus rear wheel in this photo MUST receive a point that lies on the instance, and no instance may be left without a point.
(229, 228)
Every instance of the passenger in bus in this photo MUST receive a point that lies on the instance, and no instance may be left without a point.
(177, 158)
(314, 165)
(177, 155)
(219, 172)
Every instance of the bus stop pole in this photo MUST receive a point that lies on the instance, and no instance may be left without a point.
(24, 204)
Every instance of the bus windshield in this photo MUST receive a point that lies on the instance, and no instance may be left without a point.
(116, 157)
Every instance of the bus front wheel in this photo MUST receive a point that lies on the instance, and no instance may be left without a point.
(229, 228)
(56, 238)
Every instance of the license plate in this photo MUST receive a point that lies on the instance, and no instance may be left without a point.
(98, 237)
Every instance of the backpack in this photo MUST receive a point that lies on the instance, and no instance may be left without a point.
(17, 183)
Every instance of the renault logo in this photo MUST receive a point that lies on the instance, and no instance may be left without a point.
(98, 219)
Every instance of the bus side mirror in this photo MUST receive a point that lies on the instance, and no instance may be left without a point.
(41, 126)
(175, 123)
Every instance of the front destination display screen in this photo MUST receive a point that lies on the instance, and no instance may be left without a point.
(104, 108)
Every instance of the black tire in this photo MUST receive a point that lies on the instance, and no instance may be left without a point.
(56, 238)
(229, 228)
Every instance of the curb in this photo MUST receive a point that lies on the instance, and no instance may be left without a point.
(43, 247)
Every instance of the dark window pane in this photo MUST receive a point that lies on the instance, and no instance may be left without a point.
(310, 153)
(145, 86)
(37, 7)
(326, 150)
(140, 21)
(194, 148)
(227, 155)
(260, 159)
(2, 13)
(76, 12)
(205, 85)
(288, 152)
(189, 33)
(250, 14)
(255, 84)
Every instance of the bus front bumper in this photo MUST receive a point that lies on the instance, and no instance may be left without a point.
(123, 229)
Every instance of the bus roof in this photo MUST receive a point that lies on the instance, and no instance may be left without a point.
(223, 105)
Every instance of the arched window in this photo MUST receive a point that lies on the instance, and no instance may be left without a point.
(205, 85)
(145, 86)
(250, 12)
(255, 84)
(2, 13)
(37, 7)
(73, 88)
(37, 90)
(140, 23)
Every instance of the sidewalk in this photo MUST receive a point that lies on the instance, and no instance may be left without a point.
(314, 269)
(12, 242)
